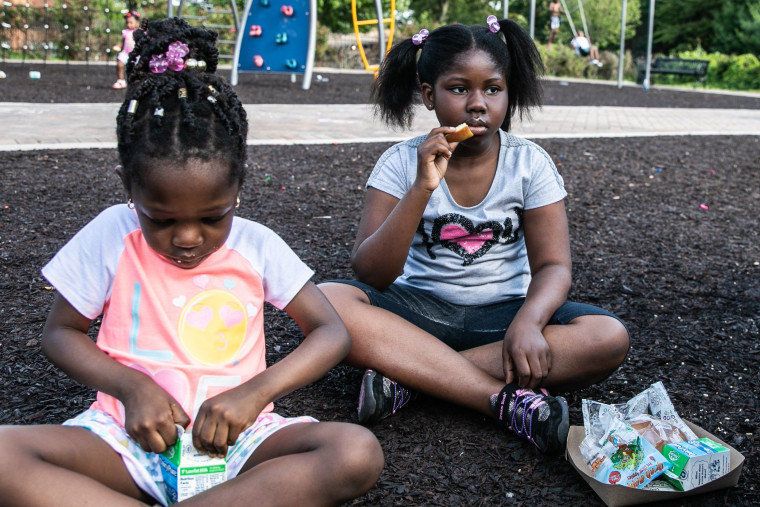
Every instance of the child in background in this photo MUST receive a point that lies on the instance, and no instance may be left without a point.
(462, 253)
(583, 47)
(132, 21)
(181, 284)
(555, 9)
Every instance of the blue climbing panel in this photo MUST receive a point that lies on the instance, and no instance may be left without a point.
(276, 36)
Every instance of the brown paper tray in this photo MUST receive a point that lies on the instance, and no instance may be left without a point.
(613, 495)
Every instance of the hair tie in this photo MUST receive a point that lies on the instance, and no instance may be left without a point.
(493, 23)
(173, 60)
(419, 38)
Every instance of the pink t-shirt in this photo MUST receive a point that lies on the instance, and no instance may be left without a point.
(129, 40)
(197, 332)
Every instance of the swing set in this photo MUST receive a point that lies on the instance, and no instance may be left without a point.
(570, 19)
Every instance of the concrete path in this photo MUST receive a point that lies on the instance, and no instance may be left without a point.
(35, 126)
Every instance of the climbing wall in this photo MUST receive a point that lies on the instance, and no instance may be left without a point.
(277, 36)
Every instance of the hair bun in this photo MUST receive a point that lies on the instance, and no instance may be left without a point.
(153, 43)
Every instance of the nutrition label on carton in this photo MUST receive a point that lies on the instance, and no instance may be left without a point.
(187, 472)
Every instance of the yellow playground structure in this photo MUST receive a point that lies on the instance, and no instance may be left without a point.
(380, 21)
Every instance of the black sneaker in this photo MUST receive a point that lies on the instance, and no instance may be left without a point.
(380, 397)
(537, 417)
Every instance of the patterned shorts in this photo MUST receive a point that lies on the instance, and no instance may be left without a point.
(144, 466)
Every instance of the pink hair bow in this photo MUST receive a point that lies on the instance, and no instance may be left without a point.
(172, 59)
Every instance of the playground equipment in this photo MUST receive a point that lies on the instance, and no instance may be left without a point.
(570, 19)
(213, 15)
(380, 21)
(277, 36)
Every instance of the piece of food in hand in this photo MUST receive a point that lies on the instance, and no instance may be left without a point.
(460, 134)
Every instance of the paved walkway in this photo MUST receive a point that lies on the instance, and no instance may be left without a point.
(27, 126)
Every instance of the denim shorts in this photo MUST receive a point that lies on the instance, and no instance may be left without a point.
(461, 327)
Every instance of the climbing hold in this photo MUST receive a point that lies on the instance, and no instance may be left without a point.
(291, 63)
(255, 31)
(264, 3)
(281, 38)
(258, 61)
(287, 10)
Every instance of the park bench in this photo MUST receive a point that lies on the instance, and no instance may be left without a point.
(678, 66)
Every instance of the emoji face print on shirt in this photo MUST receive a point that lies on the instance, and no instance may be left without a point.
(470, 241)
(212, 326)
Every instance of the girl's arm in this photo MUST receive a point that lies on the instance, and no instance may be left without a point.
(222, 418)
(387, 225)
(150, 412)
(526, 355)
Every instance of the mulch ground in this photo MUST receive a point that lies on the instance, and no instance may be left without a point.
(664, 233)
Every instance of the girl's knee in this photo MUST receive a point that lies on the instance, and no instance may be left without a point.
(618, 339)
(337, 290)
(608, 339)
(12, 441)
(364, 447)
(343, 295)
(361, 455)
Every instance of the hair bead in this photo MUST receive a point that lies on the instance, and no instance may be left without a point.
(419, 38)
(493, 23)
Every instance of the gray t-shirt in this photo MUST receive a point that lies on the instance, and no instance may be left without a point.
(473, 255)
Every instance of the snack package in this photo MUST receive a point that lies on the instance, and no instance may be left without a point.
(657, 432)
(623, 457)
(623, 441)
(650, 412)
(662, 408)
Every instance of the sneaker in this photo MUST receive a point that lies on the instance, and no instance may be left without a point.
(537, 417)
(597, 63)
(380, 397)
(119, 84)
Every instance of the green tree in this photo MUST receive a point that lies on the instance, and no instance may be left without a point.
(737, 28)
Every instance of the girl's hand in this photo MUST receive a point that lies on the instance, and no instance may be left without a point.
(433, 158)
(222, 419)
(150, 413)
(526, 355)
(150, 416)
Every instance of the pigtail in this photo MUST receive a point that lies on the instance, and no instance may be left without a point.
(396, 88)
(176, 107)
(524, 72)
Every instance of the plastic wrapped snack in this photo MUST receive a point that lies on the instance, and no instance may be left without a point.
(656, 431)
(623, 457)
(662, 408)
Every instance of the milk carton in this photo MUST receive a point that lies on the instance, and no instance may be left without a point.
(187, 472)
(696, 462)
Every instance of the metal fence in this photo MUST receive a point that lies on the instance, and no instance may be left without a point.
(82, 30)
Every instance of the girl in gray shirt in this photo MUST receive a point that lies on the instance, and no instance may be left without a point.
(462, 255)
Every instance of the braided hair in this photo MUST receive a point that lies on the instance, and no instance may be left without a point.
(407, 65)
(182, 114)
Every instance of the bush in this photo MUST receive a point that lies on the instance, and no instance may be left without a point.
(728, 72)
(743, 73)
